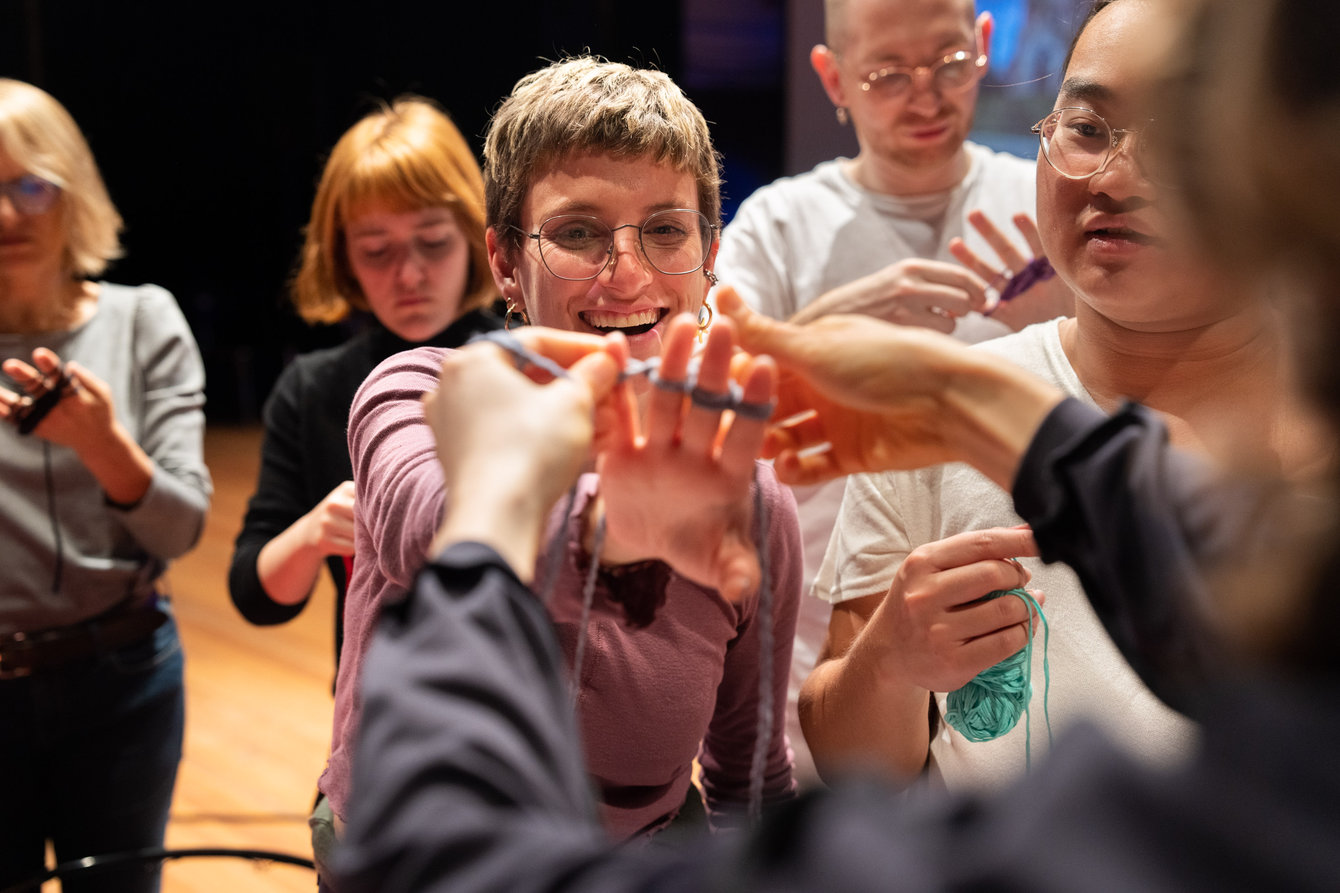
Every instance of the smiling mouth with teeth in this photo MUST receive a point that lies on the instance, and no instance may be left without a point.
(628, 323)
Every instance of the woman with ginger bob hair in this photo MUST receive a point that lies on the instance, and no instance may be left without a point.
(396, 235)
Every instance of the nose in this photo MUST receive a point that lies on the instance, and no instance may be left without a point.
(1123, 176)
(922, 93)
(411, 272)
(628, 271)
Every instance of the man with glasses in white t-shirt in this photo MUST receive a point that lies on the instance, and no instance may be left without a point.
(905, 231)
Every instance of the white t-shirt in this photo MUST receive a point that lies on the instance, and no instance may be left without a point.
(885, 516)
(800, 237)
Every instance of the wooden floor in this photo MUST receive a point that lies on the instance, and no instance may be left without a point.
(258, 706)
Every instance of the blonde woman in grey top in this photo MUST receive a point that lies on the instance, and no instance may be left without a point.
(104, 482)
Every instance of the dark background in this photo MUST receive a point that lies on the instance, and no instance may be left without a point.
(211, 121)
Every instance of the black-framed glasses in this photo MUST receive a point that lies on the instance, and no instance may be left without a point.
(1079, 143)
(953, 72)
(577, 246)
(30, 194)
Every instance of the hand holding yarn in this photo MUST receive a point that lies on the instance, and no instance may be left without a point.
(936, 631)
(680, 490)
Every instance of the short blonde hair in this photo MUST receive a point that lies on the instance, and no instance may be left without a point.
(39, 134)
(586, 105)
(410, 156)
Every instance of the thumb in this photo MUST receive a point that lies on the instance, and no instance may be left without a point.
(755, 332)
(598, 372)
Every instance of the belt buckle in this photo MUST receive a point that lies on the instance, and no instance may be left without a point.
(19, 642)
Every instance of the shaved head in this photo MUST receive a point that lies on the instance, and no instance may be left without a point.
(837, 15)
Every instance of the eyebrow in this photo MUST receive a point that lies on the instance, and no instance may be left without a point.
(944, 48)
(589, 209)
(1084, 89)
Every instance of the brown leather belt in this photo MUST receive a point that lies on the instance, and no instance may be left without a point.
(22, 654)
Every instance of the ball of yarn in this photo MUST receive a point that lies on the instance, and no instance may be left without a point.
(990, 705)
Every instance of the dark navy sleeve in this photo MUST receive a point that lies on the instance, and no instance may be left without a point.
(469, 776)
(1139, 522)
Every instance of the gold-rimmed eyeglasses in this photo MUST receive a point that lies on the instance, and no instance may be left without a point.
(953, 72)
(577, 247)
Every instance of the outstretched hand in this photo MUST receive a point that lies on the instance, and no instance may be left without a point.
(681, 489)
(869, 390)
(931, 294)
(861, 395)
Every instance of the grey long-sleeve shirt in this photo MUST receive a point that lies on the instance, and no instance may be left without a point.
(66, 552)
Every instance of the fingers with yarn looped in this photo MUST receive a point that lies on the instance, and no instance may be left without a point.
(741, 443)
(700, 426)
(666, 405)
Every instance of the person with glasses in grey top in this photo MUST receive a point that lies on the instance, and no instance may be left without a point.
(602, 192)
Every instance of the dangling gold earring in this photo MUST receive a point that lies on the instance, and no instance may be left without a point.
(842, 115)
(512, 310)
(704, 324)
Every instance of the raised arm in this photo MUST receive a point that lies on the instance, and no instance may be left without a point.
(887, 397)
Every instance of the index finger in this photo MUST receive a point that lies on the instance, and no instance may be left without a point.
(954, 275)
(996, 543)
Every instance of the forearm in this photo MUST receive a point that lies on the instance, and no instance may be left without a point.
(288, 565)
(855, 712)
(505, 517)
(120, 466)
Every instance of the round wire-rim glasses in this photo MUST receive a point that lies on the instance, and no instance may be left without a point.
(30, 194)
(577, 247)
(953, 72)
(1078, 143)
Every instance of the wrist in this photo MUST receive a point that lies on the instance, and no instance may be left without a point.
(993, 410)
(509, 520)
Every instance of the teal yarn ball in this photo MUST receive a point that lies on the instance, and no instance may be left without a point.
(991, 704)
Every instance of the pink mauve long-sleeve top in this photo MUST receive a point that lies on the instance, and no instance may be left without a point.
(650, 698)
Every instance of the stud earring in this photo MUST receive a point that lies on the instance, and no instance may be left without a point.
(842, 117)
